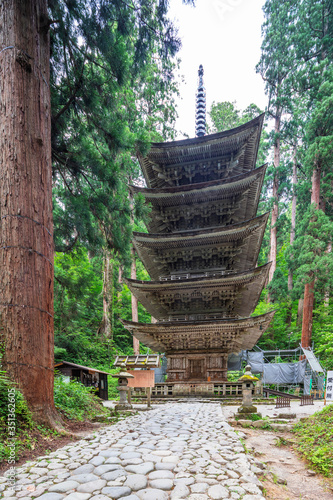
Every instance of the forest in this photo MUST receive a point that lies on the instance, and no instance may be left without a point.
(112, 86)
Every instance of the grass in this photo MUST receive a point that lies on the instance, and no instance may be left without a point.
(314, 438)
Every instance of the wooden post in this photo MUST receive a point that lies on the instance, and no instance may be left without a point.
(148, 390)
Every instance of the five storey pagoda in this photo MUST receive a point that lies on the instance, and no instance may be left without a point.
(201, 251)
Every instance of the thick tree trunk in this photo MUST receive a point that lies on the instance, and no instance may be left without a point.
(327, 292)
(26, 233)
(309, 287)
(275, 211)
(106, 324)
(300, 312)
(307, 315)
(293, 213)
(135, 316)
(120, 274)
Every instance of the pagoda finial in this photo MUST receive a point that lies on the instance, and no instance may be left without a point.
(200, 110)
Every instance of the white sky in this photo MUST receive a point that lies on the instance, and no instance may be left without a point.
(225, 37)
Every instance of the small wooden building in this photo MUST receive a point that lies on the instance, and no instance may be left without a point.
(90, 377)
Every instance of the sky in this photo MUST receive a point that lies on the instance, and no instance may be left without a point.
(225, 37)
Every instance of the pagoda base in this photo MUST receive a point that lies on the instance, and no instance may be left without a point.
(192, 389)
(199, 369)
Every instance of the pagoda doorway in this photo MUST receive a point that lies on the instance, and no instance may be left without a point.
(197, 369)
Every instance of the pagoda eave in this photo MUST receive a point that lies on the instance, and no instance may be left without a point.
(227, 185)
(227, 201)
(232, 248)
(227, 336)
(232, 295)
(244, 139)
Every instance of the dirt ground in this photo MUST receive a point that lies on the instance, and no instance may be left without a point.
(287, 477)
(41, 444)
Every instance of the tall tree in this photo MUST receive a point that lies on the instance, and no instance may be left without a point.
(26, 231)
(319, 157)
(112, 86)
(274, 66)
(313, 39)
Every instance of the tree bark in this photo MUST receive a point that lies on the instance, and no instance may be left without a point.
(275, 211)
(327, 292)
(106, 324)
(293, 213)
(135, 316)
(26, 230)
(307, 315)
(309, 287)
(300, 312)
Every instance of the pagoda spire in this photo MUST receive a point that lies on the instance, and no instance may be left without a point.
(200, 110)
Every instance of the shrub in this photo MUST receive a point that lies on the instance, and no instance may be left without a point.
(314, 440)
(76, 401)
(23, 417)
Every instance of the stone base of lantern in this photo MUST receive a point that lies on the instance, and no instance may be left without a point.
(123, 404)
(123, 407)
(247, 409)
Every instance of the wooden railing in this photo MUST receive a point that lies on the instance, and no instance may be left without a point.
(221, 389)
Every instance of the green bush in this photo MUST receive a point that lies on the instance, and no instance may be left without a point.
(11, 397)
(23, 416)
(113, 392)
(314, 440)
(76, 401)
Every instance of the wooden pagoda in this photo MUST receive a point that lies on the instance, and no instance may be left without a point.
(201, 251)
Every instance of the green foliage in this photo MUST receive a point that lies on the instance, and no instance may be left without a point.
(14, 438)
(11, 397)
(308, 257)
(248, 416)
(323, 334)
(314, 440)
(224, 116)
(112, 92)
(233, 376)
(113, 392)
(76, 401)
(78, 308)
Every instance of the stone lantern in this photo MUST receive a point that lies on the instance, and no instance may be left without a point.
(247, 386)
(122, 376)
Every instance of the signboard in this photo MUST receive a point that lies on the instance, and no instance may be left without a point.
(142, 378)
(329, 387)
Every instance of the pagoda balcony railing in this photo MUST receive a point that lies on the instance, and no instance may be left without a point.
(207, 274)
(196, 317)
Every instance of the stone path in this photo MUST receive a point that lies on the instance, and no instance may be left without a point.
(176, 451)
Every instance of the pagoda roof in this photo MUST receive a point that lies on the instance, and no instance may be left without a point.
(223, 154)
(228, 335)
(232, 248)
(233, 295)
(204, 204)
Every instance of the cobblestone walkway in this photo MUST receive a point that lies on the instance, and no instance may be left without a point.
(176, 451)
